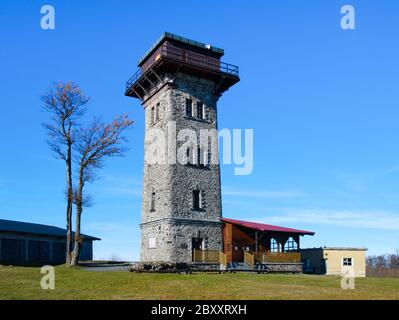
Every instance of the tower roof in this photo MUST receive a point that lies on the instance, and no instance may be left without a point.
(175, 37)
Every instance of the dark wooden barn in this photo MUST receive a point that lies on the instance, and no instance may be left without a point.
(23, 243)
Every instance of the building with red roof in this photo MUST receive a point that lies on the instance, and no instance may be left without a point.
(246, 240)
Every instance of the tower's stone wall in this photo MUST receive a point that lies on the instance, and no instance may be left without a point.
(168, 230)
(174, 239)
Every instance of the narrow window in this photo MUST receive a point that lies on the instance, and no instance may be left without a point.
(196, 199)
(152, 201)
(157, 112)
(200, 110)
(201, 157)
(152, 115)
(189, 107)
(190, 156)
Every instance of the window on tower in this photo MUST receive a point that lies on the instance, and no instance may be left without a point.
(189, 107)
(201, 157)
(190, 156)
(152, 201)
(196, 199)
(152, 115)
(157, 117)
(200, 110)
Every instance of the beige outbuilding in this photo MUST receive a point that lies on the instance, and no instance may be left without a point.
(334, 261)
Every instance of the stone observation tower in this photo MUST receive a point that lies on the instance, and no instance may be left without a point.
(179, 82)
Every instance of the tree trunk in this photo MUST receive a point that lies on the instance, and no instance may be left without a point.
(69, 207)
(69, 233)
(79, 210)
(77, 240)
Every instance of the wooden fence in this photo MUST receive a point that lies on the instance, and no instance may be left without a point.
(209, 256)
(277, 257)
(249, 259)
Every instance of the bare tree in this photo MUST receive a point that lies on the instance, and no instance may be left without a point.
(66, 104)
(383, 265)
(94, 144)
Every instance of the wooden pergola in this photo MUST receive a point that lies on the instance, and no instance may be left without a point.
(245, 240)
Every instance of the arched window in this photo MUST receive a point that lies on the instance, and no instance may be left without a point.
(291, 245)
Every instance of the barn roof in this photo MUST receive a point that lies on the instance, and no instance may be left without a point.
(34, 228)
(266, 227)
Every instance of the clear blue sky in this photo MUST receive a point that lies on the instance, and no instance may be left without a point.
(323, 103)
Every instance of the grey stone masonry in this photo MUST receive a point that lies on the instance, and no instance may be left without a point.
(181, 202)
(280, 267)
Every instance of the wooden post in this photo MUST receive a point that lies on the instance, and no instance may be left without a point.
(256, 241)
(297, 237)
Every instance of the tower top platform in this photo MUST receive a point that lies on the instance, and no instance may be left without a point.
(175, 38)
(171, 54)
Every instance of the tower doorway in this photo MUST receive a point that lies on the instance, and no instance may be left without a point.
(196, 246)
(197, 243)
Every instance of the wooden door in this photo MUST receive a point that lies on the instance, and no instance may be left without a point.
(238, 253)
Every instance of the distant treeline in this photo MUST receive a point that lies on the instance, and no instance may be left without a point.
(386, 265)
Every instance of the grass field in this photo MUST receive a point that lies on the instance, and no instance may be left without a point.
(24, 283)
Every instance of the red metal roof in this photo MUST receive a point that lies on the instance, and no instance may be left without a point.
(265, 227)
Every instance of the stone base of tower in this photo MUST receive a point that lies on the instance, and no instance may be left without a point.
(173, 240)
(175, 267)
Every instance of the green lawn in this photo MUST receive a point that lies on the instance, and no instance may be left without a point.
(24, 283)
